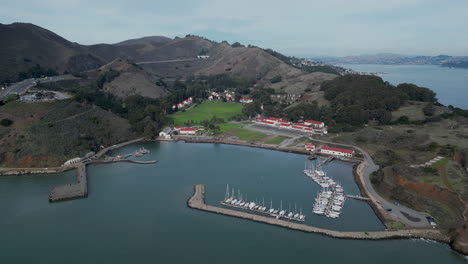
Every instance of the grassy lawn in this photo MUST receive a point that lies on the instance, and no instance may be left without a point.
(396, 225)
(276, 140)
(243, 134)
(443, 162)
(207, 110)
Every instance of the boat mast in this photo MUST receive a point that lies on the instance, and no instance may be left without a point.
(226, 196)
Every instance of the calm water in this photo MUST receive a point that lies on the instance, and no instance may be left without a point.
(138, 214)
(450, 84)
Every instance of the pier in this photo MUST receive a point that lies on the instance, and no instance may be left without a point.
(197, 201)
(72, 191)
(358, 197)
(325, 161)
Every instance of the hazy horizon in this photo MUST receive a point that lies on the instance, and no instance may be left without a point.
(297, 28)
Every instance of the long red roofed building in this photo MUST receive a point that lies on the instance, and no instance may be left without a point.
(337, 151)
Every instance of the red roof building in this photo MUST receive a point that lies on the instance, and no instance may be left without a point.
(309, 146)
(267, 122)
(316, 124)
(337, 151)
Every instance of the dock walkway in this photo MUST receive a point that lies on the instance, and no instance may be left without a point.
(71, 191)
(197, 201)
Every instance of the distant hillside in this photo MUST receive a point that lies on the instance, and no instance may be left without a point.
(396, 59)
(25, 45)
(145, 40)
(28, 45)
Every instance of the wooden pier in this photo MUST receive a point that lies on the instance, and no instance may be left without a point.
(197, 201)
(72, 191)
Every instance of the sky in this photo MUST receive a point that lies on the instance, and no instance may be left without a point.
(293, 27)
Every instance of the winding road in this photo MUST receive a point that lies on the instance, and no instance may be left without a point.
(395, 211)
(398, 211)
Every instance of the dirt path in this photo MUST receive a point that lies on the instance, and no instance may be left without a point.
(67, 118)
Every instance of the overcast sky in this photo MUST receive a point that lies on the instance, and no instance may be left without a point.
(325, 27)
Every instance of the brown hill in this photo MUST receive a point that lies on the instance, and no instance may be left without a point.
(132, 80)
(145, 40)
(256, 63)
(25, 45)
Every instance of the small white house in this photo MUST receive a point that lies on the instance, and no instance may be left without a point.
(315, 124)
(188, 130)
(166, 133)
(309, 147)
(246, 100)
(72, 161)
(204, 57)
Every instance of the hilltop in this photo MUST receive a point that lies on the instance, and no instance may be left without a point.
(131, 80)
(30, 46)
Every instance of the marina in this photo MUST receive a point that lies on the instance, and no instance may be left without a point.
(197, 201)
(148, 205)
(241, 202)
(330, 201)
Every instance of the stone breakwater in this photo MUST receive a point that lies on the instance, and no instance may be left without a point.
(240, 143)
(197, 201)
(22, 171)
(71, 191)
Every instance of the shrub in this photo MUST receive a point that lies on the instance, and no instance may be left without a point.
(276, 79)
(6, 122)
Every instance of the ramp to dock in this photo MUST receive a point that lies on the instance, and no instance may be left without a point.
(327, 160)
(71, 191)
(197, 201)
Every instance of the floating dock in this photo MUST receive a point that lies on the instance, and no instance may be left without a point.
(72, 191)
(358, 197)
(197, 201)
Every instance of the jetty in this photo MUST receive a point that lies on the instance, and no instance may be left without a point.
(72, 191)
(197, 201)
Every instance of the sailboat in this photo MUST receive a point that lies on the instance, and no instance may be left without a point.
(282, 212)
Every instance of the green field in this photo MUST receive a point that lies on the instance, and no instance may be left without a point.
(276, 140)
(236, 130)
(207, 110)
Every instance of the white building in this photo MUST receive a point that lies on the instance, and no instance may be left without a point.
(309, 147)
(188, 130)
(246, 100)
(203, 57)
(337, 151)
(166, 133)
(314, 124)
(72, 161)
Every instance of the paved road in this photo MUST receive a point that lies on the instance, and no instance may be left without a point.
(370, 167)
(165, 61)
(23, 86)
(397, 209)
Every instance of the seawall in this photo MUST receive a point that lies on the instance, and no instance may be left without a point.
(71, 191)
(197, 201)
